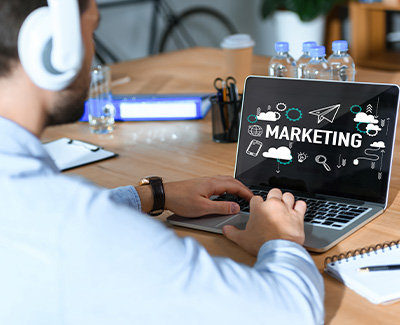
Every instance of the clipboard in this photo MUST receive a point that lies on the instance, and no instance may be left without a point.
(68, 153)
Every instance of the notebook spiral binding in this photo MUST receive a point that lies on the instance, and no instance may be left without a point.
(361, 252)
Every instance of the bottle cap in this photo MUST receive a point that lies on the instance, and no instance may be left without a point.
(282, 47)
(339, 46)
(307, 46)
(318, 51)
(237, 41)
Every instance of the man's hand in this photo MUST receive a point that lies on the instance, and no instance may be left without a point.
(191, 198)
(278, 217)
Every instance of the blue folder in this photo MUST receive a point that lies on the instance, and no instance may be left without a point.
(158, 107)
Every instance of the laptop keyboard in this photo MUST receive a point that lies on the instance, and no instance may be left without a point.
(319, 212)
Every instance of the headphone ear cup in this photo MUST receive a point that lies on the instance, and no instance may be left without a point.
(34, 50)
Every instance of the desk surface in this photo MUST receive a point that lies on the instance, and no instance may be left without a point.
(183, 149)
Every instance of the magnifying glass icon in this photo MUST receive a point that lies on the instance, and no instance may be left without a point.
(321, 159)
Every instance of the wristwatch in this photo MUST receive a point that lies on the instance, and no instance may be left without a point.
(157, 188)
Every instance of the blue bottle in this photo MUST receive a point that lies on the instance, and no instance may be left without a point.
(282, 63)
(342, 64)
(305, 58)
(318, 67)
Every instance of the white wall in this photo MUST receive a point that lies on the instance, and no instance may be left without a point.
(126, 29)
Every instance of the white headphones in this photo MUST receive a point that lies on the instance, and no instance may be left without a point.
(50, 44)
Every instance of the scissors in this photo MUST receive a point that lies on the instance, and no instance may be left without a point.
(226, 88)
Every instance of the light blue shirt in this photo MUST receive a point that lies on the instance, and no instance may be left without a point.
(75, 253)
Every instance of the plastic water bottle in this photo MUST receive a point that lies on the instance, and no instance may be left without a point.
(282, 63)
(303, 60)
(341, 62)
(318, 67)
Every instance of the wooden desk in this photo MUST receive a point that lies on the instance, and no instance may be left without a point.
(184, 149)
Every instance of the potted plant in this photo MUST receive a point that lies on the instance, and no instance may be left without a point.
(297, 21)
(307, 10)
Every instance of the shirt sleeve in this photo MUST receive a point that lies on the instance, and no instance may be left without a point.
(126, 195)
(120, 266)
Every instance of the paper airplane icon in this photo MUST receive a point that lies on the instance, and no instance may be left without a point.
(326, 113)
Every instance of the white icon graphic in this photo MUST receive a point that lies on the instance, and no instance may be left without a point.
(362, 117)
(301, 156)
(258, 110)
(378, 144)
(278, 170)
(382, 122)
(372, 130)
(387, 129)
(340, 161)
(369, 108)
(377, 107)
(380, 170)
(344, 162)
(290, 144)
(373, 157)
(269, 107)
(254, 148)
(281, 106)
(281, 153)
(321, 159)
(326, 113)
(269, 116)
(255, 130)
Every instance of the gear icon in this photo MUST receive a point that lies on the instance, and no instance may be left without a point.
(294, 119)
(252, 118)
(280, 106)
(358, 127)
(351, 109)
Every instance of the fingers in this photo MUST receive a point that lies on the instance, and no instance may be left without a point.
(275, 193)
(220, 207)
(232, 233)
(232, 186)
(288, 199)
(301, 207)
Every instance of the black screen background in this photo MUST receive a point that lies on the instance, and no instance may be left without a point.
(359, 182)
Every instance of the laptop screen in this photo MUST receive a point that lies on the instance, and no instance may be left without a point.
(318, 137)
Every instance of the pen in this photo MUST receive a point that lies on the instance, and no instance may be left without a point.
(379, 268)
(225, 97)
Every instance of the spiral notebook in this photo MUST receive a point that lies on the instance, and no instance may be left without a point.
(379, 287)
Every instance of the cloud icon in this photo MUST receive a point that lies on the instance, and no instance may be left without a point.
(378, 144)
(365, 118)
(269, 116)
(373, 127)
(280, 153)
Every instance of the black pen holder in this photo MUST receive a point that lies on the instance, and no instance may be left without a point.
(225, 119)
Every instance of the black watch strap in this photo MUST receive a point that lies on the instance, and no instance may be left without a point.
(157, 188)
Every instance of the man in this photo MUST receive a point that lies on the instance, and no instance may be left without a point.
(74, 253)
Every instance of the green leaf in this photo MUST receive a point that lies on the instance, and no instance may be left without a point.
(269, 7)
(307, 10)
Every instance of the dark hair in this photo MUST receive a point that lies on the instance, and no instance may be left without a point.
(12, 15)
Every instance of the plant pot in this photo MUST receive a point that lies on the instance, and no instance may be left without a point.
(289, 28)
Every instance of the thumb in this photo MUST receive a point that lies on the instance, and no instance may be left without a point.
(232, 233)
(221, 207)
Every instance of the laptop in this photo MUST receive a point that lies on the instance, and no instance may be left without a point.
(330, 143)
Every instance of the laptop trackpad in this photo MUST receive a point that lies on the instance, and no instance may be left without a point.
(211, 222)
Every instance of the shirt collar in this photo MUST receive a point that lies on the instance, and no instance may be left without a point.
(16, 141)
